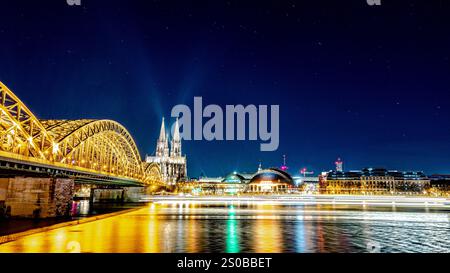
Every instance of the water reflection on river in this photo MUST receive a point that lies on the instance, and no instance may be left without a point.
(190, 227)
(80, 208)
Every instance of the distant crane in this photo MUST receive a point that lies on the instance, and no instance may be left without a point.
(284, 167)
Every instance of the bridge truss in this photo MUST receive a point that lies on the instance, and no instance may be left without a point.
(102, 147)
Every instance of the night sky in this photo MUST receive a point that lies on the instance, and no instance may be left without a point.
(370, 84)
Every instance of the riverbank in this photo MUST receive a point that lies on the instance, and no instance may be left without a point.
(20, 225)
(14, 236)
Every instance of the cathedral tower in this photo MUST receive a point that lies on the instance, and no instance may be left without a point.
(162, 144)
(175, 149)
(173, 164)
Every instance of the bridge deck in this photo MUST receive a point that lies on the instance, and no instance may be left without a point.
(12, 167)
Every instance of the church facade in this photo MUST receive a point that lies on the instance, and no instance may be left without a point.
(172, 162)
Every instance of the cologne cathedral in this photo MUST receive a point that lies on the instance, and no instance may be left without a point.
(171, 161)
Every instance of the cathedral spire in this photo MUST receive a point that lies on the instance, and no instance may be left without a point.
(162, 146)
(171, 162)
(176, 133)
(176, 141)
(162, 133)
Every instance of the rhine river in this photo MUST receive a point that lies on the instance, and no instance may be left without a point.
(262, 228)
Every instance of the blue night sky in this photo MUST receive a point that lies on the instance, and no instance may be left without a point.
(366, 83)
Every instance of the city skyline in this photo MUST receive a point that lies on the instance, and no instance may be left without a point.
(373, 101)
(186, 131)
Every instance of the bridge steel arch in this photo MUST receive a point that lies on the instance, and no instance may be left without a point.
(98, 146)
(153, 174)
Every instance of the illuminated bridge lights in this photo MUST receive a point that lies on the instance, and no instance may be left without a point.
(96, 146)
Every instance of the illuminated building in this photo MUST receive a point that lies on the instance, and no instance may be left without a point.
(270, 181)
(440, 184)
(340, 182)
(210, 179)
(373, 181)
(412, 182)
(171, 161)
(323, 182)
(233, 183)
(307, 184)
(377, 180)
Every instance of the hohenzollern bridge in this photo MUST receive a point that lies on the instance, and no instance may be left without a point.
(85, 150)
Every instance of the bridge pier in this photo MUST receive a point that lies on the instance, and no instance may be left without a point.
(107, 195)
(125, 194)
(134, 194)
(37, 197)
(45, 196)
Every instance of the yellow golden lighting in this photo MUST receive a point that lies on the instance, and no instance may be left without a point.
(55, 148)
(84, 139)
